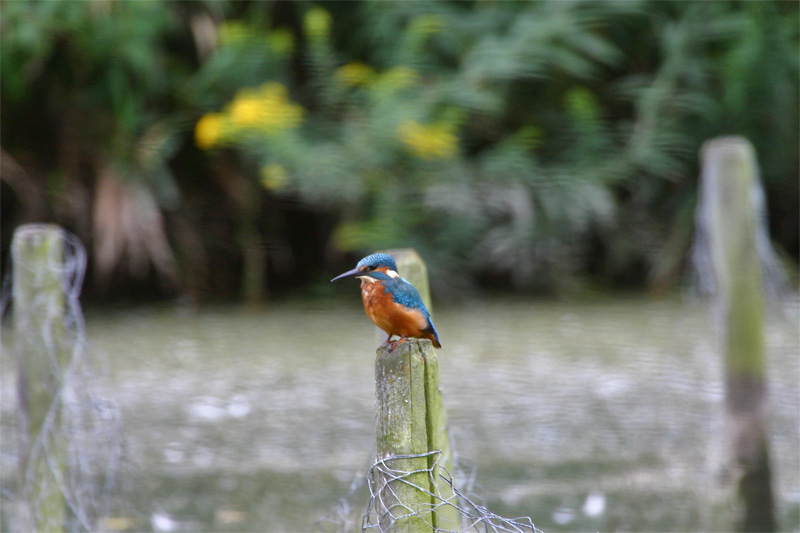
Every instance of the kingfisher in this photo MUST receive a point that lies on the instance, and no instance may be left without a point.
(391, 302)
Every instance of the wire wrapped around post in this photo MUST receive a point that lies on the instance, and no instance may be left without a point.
(68, 436)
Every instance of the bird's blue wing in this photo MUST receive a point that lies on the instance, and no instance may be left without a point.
(405, 294)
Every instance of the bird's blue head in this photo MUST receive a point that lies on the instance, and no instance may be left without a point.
(376, 262)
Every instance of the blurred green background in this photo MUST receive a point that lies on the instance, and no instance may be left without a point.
(245, 150)
(224, 152)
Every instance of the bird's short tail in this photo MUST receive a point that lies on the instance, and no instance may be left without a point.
(430, 333)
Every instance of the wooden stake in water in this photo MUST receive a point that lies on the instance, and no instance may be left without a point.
(39, 309)
(730, 202)
(411, 420)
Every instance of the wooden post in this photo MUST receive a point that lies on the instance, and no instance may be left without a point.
(447, 516)
(730, 203)
(39, 308)
(412, 421)
(402, 429)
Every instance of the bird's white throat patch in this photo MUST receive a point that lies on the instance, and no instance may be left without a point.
(366, 279)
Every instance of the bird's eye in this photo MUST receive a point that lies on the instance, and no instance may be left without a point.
(372, 267)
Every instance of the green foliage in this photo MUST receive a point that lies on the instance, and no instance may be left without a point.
(529, 141)
(569, 135)
(101, 64)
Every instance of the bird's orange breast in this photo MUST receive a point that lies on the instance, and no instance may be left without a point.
(390, 316)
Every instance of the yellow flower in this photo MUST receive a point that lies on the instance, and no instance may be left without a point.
(400, 77)
(246, 111)
(433, 141)
(274, 92)
(266, 109)
(354, 73)
(274, 177)
(317, 23)
(233, 32)
(208, 130)
(281, 41)
(395, 79)
(530, 136)
(427, 24)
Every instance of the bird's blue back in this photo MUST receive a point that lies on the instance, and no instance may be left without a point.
(402, 291)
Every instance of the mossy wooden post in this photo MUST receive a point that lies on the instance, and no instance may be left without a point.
(39, 308)
(411, 420)
(729, 181)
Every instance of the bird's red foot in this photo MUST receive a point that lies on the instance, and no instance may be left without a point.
(393, 344)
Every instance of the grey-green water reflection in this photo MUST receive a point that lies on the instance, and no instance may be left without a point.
(601, 416)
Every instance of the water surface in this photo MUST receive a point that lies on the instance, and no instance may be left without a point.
(602, 415)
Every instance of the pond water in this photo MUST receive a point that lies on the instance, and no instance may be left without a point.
(600, 415)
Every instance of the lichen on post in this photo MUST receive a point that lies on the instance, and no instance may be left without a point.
(402, 429)
(730, 207)
(410, 494)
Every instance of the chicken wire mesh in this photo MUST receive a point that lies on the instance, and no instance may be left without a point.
(67, 452)
(390, 508)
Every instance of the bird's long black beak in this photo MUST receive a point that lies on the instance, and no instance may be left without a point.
(348, 274)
